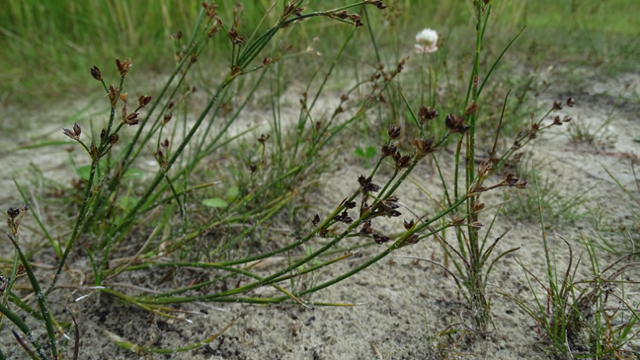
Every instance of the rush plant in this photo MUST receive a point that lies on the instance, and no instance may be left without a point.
(111, 214)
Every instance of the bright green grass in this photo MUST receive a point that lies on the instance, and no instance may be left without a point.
(49, 45)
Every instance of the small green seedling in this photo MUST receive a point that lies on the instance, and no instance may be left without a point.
(217, 202)
(366, 154)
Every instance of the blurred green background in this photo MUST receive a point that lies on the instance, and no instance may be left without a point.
(47, 47)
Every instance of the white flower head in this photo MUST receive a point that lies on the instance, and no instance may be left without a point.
(427, 41)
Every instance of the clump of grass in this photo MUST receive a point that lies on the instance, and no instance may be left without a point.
(582, 132)
(573, 315)
(269, 175)
(20, 268)
(108, 209)
(628, 232)
(560, 207)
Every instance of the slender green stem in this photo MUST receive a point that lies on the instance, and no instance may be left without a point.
(24, 328)
(76, 230)
(42, 302)
(128, 220)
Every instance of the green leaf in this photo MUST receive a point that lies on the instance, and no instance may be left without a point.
(371, 152)
(132, 174)
(214, 202)
(359, 152)
(84, 172)
(232, 193)
(127, 202)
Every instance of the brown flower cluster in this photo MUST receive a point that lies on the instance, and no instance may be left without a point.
(15, 217)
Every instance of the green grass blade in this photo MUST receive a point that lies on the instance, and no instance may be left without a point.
(14, 318)
(44, 308)
(497, 61)
(54, 245)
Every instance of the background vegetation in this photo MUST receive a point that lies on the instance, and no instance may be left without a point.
(48, 46)
(259, 180)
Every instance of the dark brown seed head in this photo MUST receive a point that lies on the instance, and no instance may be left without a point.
(177, 36)
(425, 114)
(402, 161)
(423, 147)
(413, 239)
(378, 3)
(510, 180)
(394, 132)
(380, 239)
(165, 143)
(113, 95)
(570, 102)
(103, 133)
(350, 204)
(13, 213)
(167, 118)
(93, 150)
(388, 150)
(484, 168)
(391, 200)
(263, 138)
(129, 119)
(113, 139)
(356, 20)
(471, 108)
(210, 9)
(521, 184)
(476, 206)
(234, 37)
(123, 66)
(366, 228)
(476, 225)
(456, 220)
(95, 72)
(323, 232)
(346, 218)
(77, 130)
(534, 131)
(289, 8)
(144, 100)
(342, 15)
(394, 213)
(366, 185)
(456, 124)
(70, 134)
(557, 105)
(316, 220)
(212, 30)
(21, 271)
(408, 225)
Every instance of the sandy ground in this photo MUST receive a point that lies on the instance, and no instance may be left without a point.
(403, 303)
